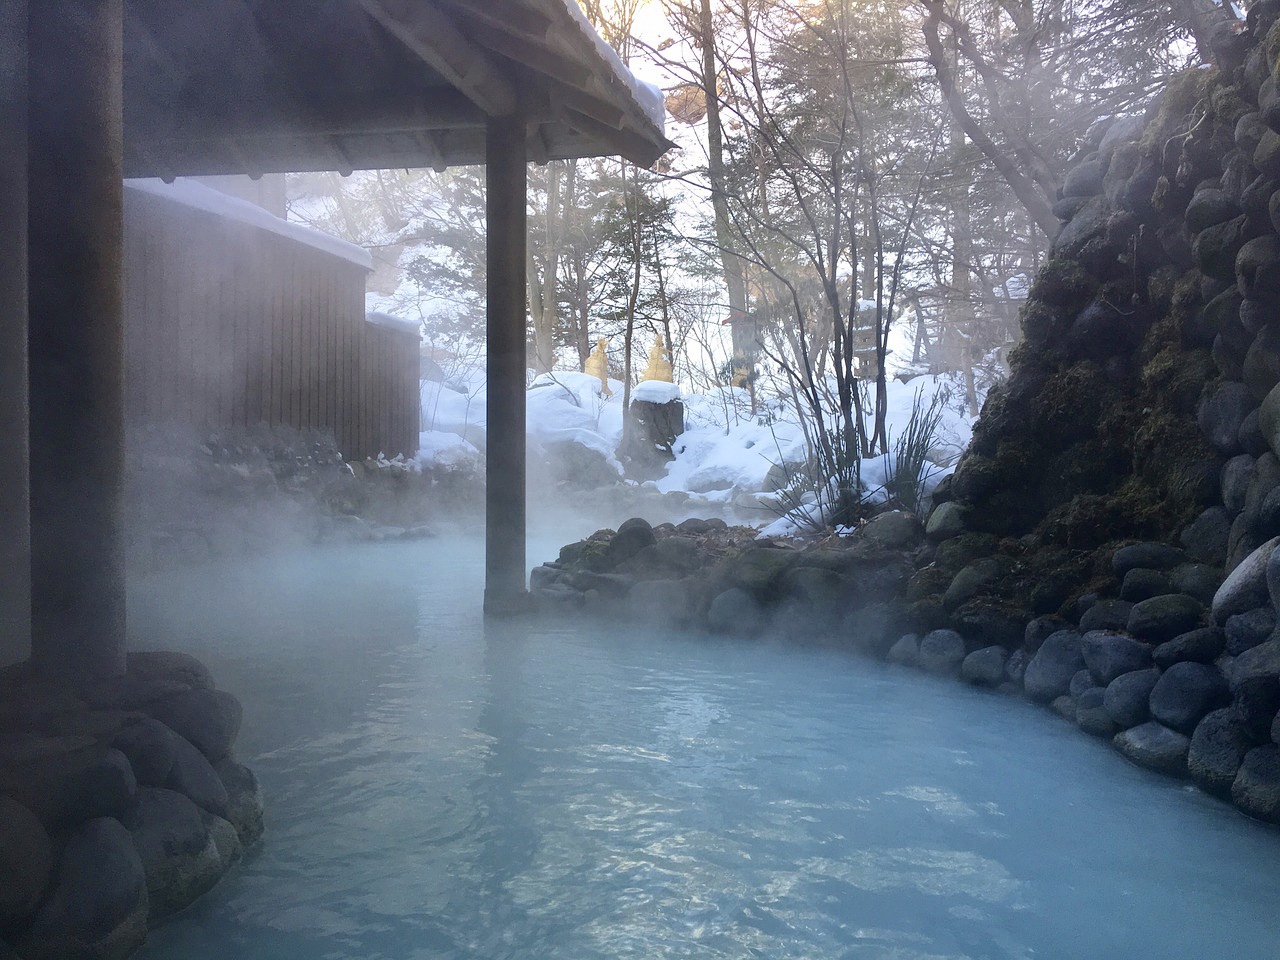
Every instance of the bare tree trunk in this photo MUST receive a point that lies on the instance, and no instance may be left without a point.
(542, 291)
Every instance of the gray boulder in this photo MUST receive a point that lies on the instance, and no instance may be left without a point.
(1217, 749)
(1108, 654)
(179, 856)
(1091, 713)
(1199, 580)
(894, 529)
(1207, 537)
(210, 719)
(906, 650)
(26, 862)
(632, 536)
(1040, 629)
(1049, 673)
(193, 776)
(1106, 615)
(1255, 703)
(985, 667)
(946, 521)
(1151, 555)
(150, 747)
(1237, 474)
(970, 580)
(1155, 747)
(942, 651)
(874, 627)
(1186, 692)
(244, 800)
(1245, 588)
(169, 665)
(664, 603)
(1163, 618)
(1203, 645)
(1259, 663)
(1127, 698)
(1080, 682)
(1244, 631)
(1221, 414)
(735, 611)
(1256, 789)
(98, 904)
(1141, 583)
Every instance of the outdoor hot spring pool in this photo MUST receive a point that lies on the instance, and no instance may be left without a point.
(442, 788)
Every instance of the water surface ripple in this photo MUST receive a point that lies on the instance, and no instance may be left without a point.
(438, 788)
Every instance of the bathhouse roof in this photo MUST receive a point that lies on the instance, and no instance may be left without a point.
(260, 86)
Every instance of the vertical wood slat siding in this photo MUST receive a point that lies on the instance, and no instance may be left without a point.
(230, 325)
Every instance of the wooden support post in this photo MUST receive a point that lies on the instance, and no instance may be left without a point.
(76, 342)
(506, 189)
(15, 540)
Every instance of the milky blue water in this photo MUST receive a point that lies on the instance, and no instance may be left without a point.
(443, 788)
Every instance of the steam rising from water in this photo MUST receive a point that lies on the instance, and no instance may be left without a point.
(443, 788)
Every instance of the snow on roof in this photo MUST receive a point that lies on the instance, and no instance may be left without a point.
(647, 95)
(198, 196)
(380, 319)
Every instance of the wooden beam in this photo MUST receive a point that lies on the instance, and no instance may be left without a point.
(432, 36)
(538, 57)
(76, 378)
(15, 530)
(506, 227)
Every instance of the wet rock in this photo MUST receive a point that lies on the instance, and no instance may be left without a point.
(150, 747)
(1143, 584)
(941, 651)
(131, 691)
(1151, 556)
(1081, 681)
(1050, 671)
(1091, 713)
(1064, 706)
(1261, 370)
(894, 529)
(225, 840)
(1215, 247)
(1217, 749)
(1269, 419)
(1206, 538)
(1199, 580)
(192, 775)
(1268, 522)
(168, 665)
(1255, 702)
(1246, 630)
(1155, 747)
(1108, 654)
(1186, 692)
(666, 603)
(971, 580)
(1220, 416)
(735, 611)
(1106, 615)
(874, 627)
(1128, 696)
(98, 904)
(906, 650)
(946, 521)
(1163, 618)
(1203, 645)
(1252, 441)
(758, 567)
(1209, 207)
(1256, 789)
(982, 622)
(210, 719)
(633, 535)
(1237, 474)
(244, 800)
(985, 667)
(1084, 179)
(1258, 267)
(1015, 668)
(1260, 662)
(26, 862)
(1245, 588)
(1040, 629)
(178, 855)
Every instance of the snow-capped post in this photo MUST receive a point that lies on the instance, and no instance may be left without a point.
(506, 196)
(76, 337)
(15, 541)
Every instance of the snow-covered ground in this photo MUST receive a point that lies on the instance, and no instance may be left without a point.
(727, 455)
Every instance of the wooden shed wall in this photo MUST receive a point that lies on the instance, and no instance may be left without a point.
(230, 325)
